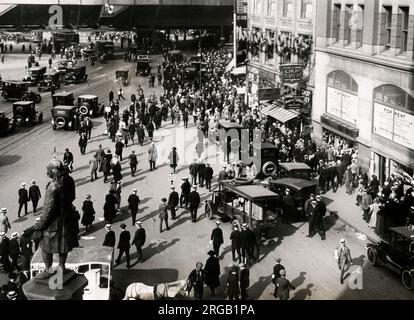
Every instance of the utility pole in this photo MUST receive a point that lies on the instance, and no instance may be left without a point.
(235, 32)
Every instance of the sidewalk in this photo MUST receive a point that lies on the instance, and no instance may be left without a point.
(343, 205)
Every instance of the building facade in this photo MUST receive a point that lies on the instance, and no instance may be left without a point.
(279, 32)
(364, 80)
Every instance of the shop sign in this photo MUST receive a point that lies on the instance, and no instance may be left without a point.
(291, 73)
(296, 102)
(241, 7)
(404, 129)
(307, 96)
(268, 94)
(342, 104)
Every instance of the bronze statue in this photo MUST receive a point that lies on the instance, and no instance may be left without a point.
(57, 219)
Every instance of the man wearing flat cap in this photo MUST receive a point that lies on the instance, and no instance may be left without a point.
(133, 203)
(34, 195)
(173, 201)
(23, 199)
(217, 238)
(194, 201)
(163, 214)
(123, 245)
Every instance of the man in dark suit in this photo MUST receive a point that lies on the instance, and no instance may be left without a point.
(5, 251)
(283, 286)
(185, 192)
(123, 245)
(201, 168)
(197, 278)
(194, 201)
(34, 195)
(139, 240)
(23, 199)
(133, 202)
(320, 212)
(217, 238)
(244, 234)
(235, 243)
(109, 240)
(244, 281)
(193, 172)
(208, 176)
(133, 162)
(276, 274)
(15, 252)
(173, 201)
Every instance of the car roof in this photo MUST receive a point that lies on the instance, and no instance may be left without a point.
(252, 191)
(229, 125)
(87, 96)
(294, 166)
(63, 94)
(23, 103)
(294, 183)
(61, 107)
(403, 231)
(78, 67)
(16, 81)
(51, 73)
(36, 68)
(267, 145)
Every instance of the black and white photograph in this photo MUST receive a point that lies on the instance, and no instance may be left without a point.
(175, 151)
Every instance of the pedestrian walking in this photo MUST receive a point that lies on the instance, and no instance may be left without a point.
(88, 216)
(366, 202)
(133, 203)
(276, 274)
(173, 158)
(23, 199)
(83, 142)
(173, 201)
(197, 278)
(320, 212)
(119, 147)
(34, 195)
(193, 172)
(15, 252)
(244, 281)
(217, 238)
(116, 169)
(283, 286)
(344, 258)
(201, 167)
(93, 167)
(185, 192)
(111, 96)
(4, 221)
(26, 249)
(232, 286)
(100, 155)
(212, 269)
(152, 156)
(109, 240)
(88, 127)
(121, 94)
(68, 159)
(140, 134)
(124, 245)
(150, 129)
(139, 240)
(5, 252)
(106, 165)
(312, 218)
(236, 244)
(109, 206)
(194, 202)
(163, 214)
(133, 162)
(208, 176)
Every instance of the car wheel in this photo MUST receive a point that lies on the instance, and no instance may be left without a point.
(83, 110)
(269, 168)
(372, 256)
(5, 96)
(407, 278)
(25, 98)
(60, 122)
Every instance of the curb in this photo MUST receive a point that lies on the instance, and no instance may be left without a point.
(353, 227)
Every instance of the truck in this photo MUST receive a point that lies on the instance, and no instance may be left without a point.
(105, 47)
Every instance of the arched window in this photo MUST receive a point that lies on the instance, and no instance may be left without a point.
(393, 96)
(342, 96)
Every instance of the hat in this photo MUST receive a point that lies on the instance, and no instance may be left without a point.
(412, 208)
(12, 295)
(2, 234)
(108, 226)
(135, 190)
(132, 151)
(318, 196)
(172, 187)
(23, 184)
(88, 196)
(3, 210)
(164, 200)
(195, 187)
(184, 178)
(342, 241)
(211, 253)
(242, 265)
(244, 225)
(287, 190)
(312, 195)
(278, 260)
(33, 181)
(138, 223)
(123, 225)
(282, 272)
(37, 219)
(14, 235)
(314, 202)
(218, 222)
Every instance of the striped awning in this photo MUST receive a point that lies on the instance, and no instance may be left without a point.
(279, 113)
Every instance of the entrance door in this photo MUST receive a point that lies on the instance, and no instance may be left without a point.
(380, 168)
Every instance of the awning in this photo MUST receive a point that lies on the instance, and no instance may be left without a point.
(231, 65)
(279, 113)
(239, 70)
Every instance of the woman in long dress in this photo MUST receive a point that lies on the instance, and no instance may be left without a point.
(374, 208)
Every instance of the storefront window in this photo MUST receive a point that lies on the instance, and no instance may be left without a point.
(342, 96)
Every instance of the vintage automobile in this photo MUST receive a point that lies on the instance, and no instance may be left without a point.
(300, 190)
(94, 262)
(24, 113)
(88, 53)
(63, 98)
(396, 252)
(6, 125)
(88, 105)
(122, 77)
(63, 65)
(175, 56)
(35, 75)
(233, 138)
(18, 90)
(76, 74)
(51, 80)
(143, 67)
(294, 170)
(63, 117)
(246, 202)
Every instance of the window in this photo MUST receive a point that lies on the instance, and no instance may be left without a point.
(350, 21)
(393, 96)
(288, 9)
(271, 8)
(336, 22)
(388, 23)
(270, 48)
(360, 25)
(258, 6)
(404, 28)
(306, 9)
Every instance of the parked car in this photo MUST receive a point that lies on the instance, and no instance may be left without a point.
(88, 53)
(64, 65)
(88, 105)
(143, 67)
(63, 98)
(300, 190)
(294, 170)
(18, 90)
(50, 80)
(63, 117)
(6, 124)
(35, 75)
(122, 77)
(175, 56)
(396, 252)
(76, 75)
(24, 113)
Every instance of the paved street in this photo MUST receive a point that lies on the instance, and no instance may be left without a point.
(172, 255)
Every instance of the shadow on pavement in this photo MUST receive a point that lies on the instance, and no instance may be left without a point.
(302, 294)
(9, 159)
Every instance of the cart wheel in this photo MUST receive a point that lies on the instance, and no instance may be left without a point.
(372, 256)
(407, 278)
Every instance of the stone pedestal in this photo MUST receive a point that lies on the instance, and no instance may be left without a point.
(73, 285)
